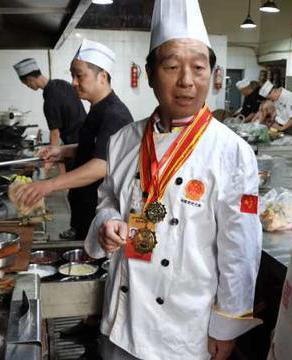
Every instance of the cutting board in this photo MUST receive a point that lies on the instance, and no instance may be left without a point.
(26, 236)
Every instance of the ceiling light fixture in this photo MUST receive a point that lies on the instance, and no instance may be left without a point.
(269, 7)
(248, 23)
(102, 2)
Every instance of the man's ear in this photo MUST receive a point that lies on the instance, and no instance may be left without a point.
(103, 76)
(149, 76)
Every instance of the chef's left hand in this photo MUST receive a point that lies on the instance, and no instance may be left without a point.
(30, 194)
(220, 349)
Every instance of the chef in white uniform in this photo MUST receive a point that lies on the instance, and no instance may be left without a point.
(282, 99)
(183, 286)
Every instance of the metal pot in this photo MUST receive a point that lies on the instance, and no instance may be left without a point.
(44, 257)
(11, 117)
(75, 269)
(41, 270)
(9, 246)
(77, 255)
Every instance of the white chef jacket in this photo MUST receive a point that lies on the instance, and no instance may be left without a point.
(158, 312)
(284, 107)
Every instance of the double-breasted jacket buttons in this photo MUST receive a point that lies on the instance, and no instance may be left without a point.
(174, 221)
(178, 181)
(159, 300)
(164, 262)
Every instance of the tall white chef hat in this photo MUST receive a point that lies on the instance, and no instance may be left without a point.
(97, 54)
(242, 84)
(177, 19)
(26, 66)
(266, 89)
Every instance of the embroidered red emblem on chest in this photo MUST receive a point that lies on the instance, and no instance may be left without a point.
(249, 204)
(194, 190)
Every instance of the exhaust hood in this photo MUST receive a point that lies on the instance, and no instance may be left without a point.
(38, 24)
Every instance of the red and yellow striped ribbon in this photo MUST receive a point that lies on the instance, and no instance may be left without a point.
(179, 151)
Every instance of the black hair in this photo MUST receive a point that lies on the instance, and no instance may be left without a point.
(98, 69)
(34, 74)
(152, 57)
(253, 85)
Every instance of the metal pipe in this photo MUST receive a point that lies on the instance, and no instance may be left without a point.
(19, 161)
(50, 63)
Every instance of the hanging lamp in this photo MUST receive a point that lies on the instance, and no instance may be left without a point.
(269, 7)
(248, 22)
(102, 2)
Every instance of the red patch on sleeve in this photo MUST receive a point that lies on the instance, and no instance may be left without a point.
(249, 204)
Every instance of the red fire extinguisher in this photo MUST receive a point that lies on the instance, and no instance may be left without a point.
(218, 77)
(135, 74)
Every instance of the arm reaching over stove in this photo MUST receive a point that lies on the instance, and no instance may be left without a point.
(86, 174)
(22, 209)
(57, 153)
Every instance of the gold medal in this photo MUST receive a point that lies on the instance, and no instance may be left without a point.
(144, 241)
(155, 212)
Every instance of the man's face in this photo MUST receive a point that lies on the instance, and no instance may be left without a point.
(30, 82)
(84, 80)
(181, 77)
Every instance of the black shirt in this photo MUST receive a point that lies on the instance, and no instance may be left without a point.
(103, 120)
(63, 110)
(252, 102)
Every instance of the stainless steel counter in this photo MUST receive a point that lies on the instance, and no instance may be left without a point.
(23, 340)
(279, 244)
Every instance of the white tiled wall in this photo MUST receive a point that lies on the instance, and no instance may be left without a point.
(244, 59)
(129, 46)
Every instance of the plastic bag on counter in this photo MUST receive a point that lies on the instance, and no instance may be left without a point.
(276, 210)
(286, 140)
(23, 210)
(259, 131)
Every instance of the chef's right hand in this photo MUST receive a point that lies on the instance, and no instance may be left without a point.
(113, 234)
(50, 153)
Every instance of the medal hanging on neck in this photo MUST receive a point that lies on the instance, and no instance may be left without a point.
(154, 181)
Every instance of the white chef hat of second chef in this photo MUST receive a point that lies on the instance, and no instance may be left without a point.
(177, 19)
(97, 54)
(26, 66)
(266, 89)
(242, 84)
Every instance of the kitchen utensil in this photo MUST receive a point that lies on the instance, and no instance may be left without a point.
(11, 117)
(41, 270)
(77, 255)
(9, 246)
(44, 257)
(20, 161)
(103, 277)
(105, 265)
(77, 269)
